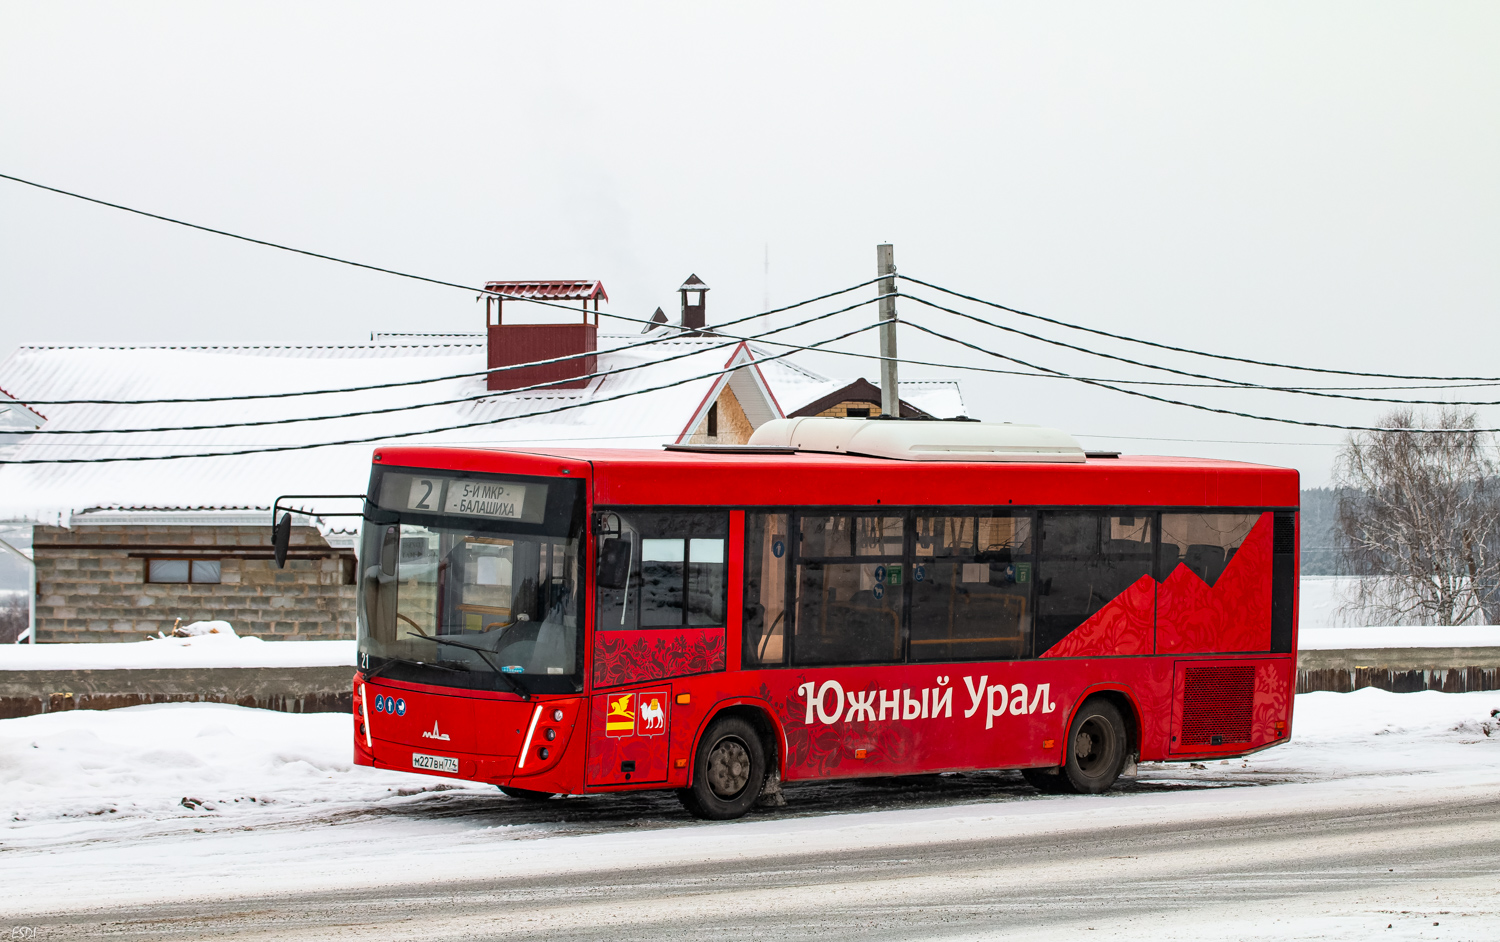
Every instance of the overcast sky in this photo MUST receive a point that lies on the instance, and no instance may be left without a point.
(1313, 183)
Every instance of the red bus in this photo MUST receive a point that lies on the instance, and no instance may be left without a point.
(841, 598)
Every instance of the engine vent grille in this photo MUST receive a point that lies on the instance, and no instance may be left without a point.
(1284, 536)
(1217, 705)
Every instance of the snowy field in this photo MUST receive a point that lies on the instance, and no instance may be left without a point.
(179, 802)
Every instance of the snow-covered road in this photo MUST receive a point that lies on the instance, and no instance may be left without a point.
(197, 821)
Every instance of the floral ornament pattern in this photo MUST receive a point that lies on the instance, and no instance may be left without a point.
(1191, 617)
(822, 750)
(1232, 615)
(1124, 626)
(632, 657)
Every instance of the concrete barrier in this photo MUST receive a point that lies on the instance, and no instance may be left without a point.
(327, 689)
(1400, 670)
(287, 689)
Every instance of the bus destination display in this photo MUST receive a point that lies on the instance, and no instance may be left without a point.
(486, 499)
(468, 497)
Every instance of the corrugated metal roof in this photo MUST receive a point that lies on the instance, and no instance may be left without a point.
(549, 290)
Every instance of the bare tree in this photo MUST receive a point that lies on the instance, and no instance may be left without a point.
(15, 616)
(1419, 513)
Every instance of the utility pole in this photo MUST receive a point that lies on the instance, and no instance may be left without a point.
(890, 395)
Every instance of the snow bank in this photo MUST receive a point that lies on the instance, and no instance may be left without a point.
(180, 763)
(1375, 732)
(1407, 636)
(206, 650)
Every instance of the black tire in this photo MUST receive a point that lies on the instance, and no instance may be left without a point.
(1047, 781)
(729, 771)
(1095, 747)
(526, 794)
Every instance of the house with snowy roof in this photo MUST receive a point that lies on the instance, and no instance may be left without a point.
(123, 547)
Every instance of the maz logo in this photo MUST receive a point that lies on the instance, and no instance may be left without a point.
(434, 734)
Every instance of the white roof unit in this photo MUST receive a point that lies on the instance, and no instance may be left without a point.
(914, 440)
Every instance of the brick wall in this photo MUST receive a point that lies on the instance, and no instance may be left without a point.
(734, 426)
(841, 411)
(92, 583)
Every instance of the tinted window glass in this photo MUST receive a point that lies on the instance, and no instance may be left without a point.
(662, 569)
(766, 558)
(1086, 560)
(847, 613)
(971, 587)
(1205, 543)
(850, 612)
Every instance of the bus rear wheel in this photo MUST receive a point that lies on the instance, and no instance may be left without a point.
(1095, 748)
(525, 794)
(729, 771)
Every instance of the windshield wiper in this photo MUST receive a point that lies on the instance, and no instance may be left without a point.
(514, 684)
(393, 661)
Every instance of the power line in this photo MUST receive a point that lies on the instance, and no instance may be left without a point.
(1194, 405)
(1188, 350)
(675, 332)
(1107, 385)
(1225, 383)
(376, 268)
(728, 341)
(488, 292)
(430, 431)
(1200, 441)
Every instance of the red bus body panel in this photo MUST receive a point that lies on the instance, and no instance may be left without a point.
(1144, 648)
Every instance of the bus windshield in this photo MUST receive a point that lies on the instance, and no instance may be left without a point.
(471, 580)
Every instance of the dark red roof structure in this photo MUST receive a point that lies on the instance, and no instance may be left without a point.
(861, 390)
(561, 290)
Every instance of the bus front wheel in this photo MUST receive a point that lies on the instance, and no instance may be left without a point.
(1095, 748)
(729, 771)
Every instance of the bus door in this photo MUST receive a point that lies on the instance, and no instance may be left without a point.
(628, 736)
(662, 586)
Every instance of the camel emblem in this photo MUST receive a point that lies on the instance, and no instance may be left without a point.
(652, 717)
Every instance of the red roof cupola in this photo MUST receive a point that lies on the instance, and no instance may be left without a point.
(510, 344)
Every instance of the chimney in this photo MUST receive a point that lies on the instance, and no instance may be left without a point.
(694, 305)
(510, 344)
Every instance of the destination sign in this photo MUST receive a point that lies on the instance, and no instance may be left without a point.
(502, 500)
(489, 498)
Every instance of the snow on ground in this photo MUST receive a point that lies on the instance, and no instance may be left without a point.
(226, 801)
(201, 651)
(1318, 600)
(177, 768)
(91, 774)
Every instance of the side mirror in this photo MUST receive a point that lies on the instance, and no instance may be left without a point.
(281, 539)
(614, 564)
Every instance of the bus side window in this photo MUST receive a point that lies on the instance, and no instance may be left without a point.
(1086, 559)
(971, 587)
(765, 589)
(850, 602)
(1204, 542)
(663, 569)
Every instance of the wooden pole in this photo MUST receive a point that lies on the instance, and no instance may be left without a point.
(890, 395)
